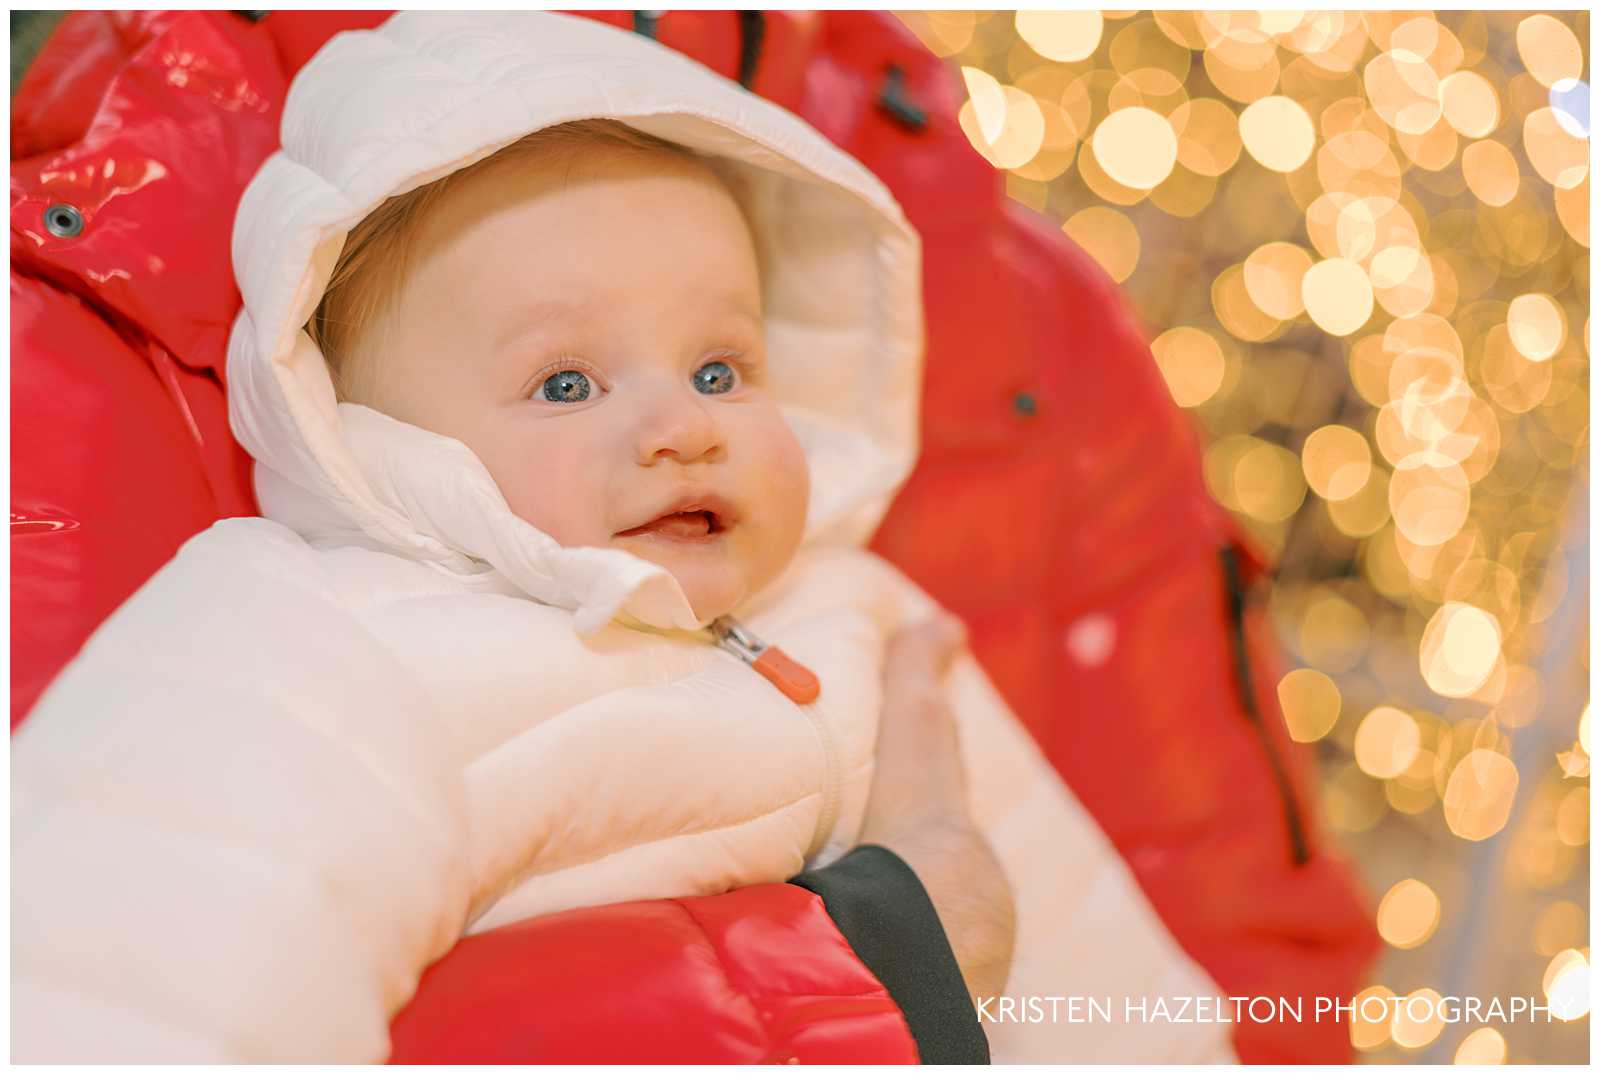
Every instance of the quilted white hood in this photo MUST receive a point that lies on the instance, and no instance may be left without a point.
(378, 112)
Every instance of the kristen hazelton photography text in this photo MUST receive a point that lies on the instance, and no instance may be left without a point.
(1353, 248)
(1210, 1009)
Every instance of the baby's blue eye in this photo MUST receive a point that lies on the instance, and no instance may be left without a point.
(714, 378)
(568, 386)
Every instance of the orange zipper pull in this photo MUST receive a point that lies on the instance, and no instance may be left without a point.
(797, 682)
(791, 677)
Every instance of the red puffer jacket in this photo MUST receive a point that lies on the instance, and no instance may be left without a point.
(1057, 507)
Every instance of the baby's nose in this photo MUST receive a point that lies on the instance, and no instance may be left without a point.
(678, 423)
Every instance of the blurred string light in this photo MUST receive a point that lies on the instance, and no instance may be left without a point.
(1361, 242)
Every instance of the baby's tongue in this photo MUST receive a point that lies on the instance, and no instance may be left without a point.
(683, 524)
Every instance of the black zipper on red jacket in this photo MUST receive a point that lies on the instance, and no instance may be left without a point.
(1244, 680)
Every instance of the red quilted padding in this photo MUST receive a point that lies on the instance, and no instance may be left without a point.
(763, 968)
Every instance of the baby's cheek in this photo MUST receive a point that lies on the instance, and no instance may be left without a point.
(787, 478)
(536, 494)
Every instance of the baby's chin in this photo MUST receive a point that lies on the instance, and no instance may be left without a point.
(714, 585)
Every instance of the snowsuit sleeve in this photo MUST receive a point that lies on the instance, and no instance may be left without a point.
(1084, 927)
(234, 836)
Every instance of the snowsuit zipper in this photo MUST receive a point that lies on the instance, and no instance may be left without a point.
(1299, 849)
(799, 684)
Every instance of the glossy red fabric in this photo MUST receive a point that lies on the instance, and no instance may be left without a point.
(1058, 505)
(760, 975)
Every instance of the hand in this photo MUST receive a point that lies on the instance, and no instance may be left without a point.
(917, 807)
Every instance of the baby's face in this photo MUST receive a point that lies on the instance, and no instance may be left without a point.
(591, 327)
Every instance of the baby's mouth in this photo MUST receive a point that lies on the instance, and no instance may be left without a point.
(681, 526)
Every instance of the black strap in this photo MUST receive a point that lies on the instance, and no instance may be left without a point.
(884, 912)
(1244, 682)
(645, 22)
(752, 33)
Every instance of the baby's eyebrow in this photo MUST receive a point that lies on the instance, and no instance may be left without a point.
(535, 315)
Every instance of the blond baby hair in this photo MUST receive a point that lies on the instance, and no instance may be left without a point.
(367, 276)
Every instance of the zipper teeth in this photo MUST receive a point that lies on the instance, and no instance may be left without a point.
(832, 780)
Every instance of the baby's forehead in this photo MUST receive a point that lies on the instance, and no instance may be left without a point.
(567, 160)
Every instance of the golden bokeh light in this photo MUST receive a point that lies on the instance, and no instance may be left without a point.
(1478, 796)
(1563, 924)
(1559, 158)
(1434, 149)
(1267, 482)
(1516, 383)
(1429, 498)
(1236, 312)
(1099, 181)
(1408, 913)
(1403, 89)
(1310, 703)
(1369, 363)
(1109, 237)
(1491, 172)
(1385, 567)
(1572, 208)
(1409, 798)
(1336, 461)
(1387, 741)
(1402, 280)
(1185, 193)
(1417, 1019)
(1537, 326)
(1488, 585)
(1429, 334)
(1367, 227)
(1277, 132)
(1272, 276)
(1191, 362)
(1003, 123)
(1566, 985)
(988, 100)
(1369, 1018)
(1241, 65)
(1363, 514)
(1150, 88)
(1423, 37)
(1360, 164)
(1470, 104)
(1061, 35)
(1337, 296)
(1485, 1045)
(1460, 646)
(1208, 136)
(1549, 50)
(1136, 147)
(1333, 633)
(1141, 45)
(945, 32)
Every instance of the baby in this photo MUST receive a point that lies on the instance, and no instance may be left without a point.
(576, 378)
